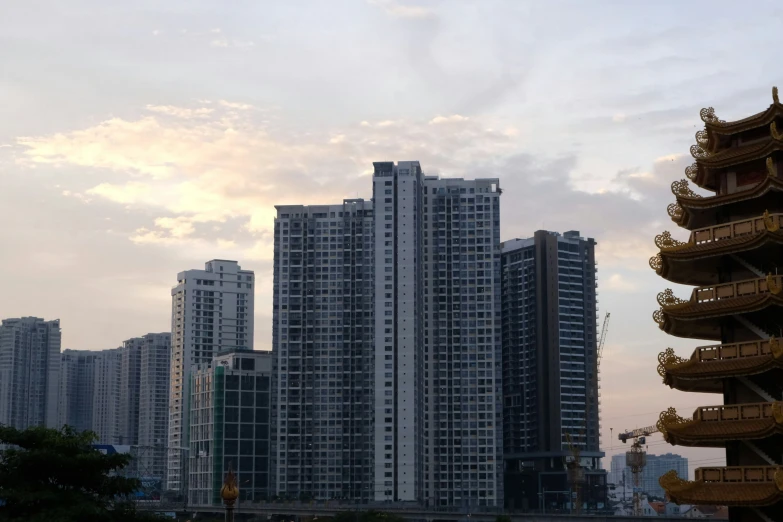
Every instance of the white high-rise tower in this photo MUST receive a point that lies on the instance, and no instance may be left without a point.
(211, 311)
(438, 415)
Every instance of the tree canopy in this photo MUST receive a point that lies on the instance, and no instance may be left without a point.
(49, 475)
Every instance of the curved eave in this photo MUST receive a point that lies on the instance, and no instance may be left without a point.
(727, 128)
(707, 376)
(757, 494)
(708, 165)
(714, 434)
(691, 265)
(702, 320)
(701, 212)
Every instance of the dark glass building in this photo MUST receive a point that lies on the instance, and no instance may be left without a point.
(550, 371)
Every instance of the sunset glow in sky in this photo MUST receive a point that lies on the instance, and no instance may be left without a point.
(139, 139)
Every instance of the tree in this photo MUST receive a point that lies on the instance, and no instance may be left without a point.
(49, 475)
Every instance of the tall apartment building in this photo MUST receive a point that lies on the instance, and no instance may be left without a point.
(211, 312)
(29, 372)
(130, 388)
(550, 381)
(438, 414)
(77, 370)
(323, 348)
(230, 417)
(106, 396)
(154, 403)
(657, 465)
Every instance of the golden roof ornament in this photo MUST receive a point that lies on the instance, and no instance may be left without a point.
(775, 95)
(769, 223)
(656, 262)
(775, 347)
(773, 130)
(772, 285)
(666, 359)
(708, 116)
(667, 299)
(681, 188)
(691, 171)
(674, 210)
(772, 171)
(665, 241)
(230, 491)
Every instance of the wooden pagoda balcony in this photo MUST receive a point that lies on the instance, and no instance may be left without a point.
(728, 486)
(712, 426)
(708, 365)
(735, 229)
(698, 260)
(699, 316)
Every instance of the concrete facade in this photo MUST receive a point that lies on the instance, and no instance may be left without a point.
(437, 338)
(212, 312)
(323, 348)
(29, 372)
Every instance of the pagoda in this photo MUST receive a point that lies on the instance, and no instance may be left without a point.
(734, 259)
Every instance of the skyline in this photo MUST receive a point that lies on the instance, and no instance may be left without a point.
(591, 123)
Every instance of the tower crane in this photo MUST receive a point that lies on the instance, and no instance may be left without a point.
(602, 338)
(636, 459)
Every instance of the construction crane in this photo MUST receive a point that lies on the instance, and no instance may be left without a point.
(602, 338)
(636, 459)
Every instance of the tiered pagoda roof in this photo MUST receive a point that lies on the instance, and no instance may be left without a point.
(731, 257)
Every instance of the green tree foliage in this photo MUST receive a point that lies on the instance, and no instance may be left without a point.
(51, 475)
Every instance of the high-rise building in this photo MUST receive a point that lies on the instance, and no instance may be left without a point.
(130, 387)
(29, 372)
(211, 312)
(550, 376)
(323, 347)
(154, 403)
(230, 419)
(77, 370)
(657, 466)
(106, 396)
(438, 414)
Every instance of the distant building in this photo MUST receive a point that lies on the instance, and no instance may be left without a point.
(230, 422)
(211, 312)
(323, 347)
(29, 372)
(154, 403)
(77, 381)
(550, 374)
(106, 397)
(657, 465)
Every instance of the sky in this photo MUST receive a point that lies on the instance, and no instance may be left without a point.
(139, 139)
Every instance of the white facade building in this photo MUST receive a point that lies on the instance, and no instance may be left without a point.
(29, 372)
(154, 402)
(212, 311)
(438, 416)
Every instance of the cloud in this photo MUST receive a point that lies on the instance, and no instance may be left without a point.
(226, 42)
(180, 112)
(454, 118)
(399, 10)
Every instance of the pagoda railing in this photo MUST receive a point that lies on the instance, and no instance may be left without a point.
(738, 474)
(734, 412)
(734, 229)
(706, 294)
(733, 351)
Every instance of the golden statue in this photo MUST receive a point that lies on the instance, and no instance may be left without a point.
(229, 493)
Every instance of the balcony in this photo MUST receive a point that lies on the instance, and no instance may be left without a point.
(755, 486)
(698, 261)
(708, 365)
(735, 229)
(713, 426)
(701, 316)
